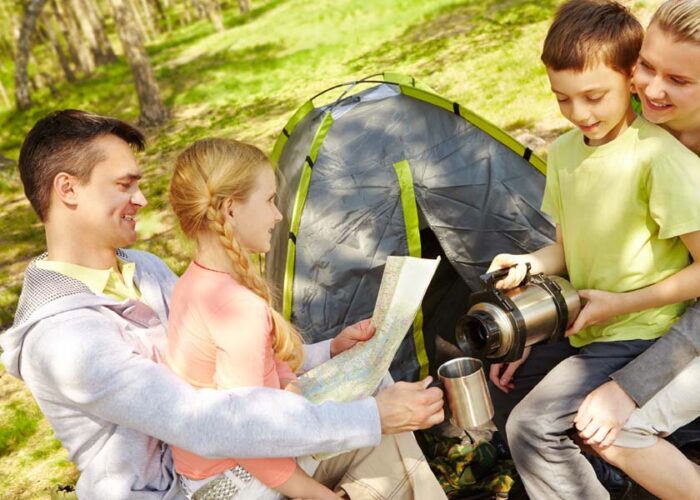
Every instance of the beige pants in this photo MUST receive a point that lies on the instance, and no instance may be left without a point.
(396, 470)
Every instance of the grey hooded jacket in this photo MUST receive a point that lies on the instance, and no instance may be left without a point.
(91, 363)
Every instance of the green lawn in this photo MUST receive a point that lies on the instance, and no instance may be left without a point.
(245, 82)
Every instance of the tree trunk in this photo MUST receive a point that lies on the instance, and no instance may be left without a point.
(24, 48)
(149, 18)
(84, 57)
(244, 6)
(50, 25)
(76, 7)
(214, 12)
(5, 161)
(138, 21)
(105, 52)
(163, 16)
(153, 111)
(3, 95)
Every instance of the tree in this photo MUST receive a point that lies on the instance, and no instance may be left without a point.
(244, 6)
(24, 48)
(5, 161)
(153, 111)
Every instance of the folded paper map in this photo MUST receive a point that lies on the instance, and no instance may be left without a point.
(357, 372)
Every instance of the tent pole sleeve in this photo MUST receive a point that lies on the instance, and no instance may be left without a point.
(300, 114)
(299, 202)
(410, 217)
(477, 121)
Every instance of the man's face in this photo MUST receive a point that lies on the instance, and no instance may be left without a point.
(596, 100)
(667, 79)
(108, 202)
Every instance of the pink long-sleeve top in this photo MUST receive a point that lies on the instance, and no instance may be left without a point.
(220, 336)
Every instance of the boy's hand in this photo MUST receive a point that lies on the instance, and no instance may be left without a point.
(602, 414)
(599, 307)
(501, 374)
(351, 335)
(516, 275)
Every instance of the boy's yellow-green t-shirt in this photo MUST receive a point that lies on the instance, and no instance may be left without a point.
(622, 207)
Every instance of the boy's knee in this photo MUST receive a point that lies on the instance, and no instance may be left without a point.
(521, 424)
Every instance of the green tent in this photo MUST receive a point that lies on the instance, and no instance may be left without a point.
(395, 169)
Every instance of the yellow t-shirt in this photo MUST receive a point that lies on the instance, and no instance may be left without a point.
(622, 207)
(109, 282)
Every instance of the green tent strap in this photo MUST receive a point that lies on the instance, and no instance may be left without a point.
(410, 217)
(299, 202)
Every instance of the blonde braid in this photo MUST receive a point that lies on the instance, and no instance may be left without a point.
(287, 342)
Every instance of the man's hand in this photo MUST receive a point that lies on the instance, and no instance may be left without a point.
(407, 406)
(599, 307)
(603, 413)
(516, 275)
(351, 335)
(501, 374)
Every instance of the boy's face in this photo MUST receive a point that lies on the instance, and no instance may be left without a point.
(108, 202)
(667, 79)
(596, 100)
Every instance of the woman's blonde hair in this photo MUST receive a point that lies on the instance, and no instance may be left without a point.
(680, 18)
(206, 174)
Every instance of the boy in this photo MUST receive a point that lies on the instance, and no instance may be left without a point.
(90, 328)
(623, 195)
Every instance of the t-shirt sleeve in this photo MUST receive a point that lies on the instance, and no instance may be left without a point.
(673, 186)
(551, 201)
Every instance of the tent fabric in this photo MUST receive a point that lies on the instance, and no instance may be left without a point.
(476, 195)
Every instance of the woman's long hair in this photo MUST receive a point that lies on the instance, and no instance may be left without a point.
(206, 174)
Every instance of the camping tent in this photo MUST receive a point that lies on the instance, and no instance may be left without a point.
(397, 170)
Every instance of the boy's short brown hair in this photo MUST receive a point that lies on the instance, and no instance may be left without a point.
(63, 142)
(587, 32)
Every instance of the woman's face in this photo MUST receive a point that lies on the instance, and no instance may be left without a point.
(667, 79)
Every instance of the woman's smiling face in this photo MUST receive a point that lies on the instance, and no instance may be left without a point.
(667, 78)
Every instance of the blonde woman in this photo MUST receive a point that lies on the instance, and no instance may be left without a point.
(224, 333)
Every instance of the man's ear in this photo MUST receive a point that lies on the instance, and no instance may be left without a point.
(64, 188)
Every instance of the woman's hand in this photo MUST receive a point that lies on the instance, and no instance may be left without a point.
(351, 335)
(603, 413)
(600, 307)
(501, 374)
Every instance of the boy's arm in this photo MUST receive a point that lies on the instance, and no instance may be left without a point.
(605, 410)
(684, 285)
(548, 260)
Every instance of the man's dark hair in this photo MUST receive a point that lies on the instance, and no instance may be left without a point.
(587, 32)
(64, 142)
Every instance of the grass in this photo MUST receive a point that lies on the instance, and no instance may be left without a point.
(245, 82)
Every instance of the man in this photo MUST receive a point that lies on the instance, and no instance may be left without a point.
(90, 330)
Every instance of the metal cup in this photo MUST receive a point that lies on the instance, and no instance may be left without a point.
(467, 394)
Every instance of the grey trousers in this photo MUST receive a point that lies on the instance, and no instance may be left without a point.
(539, 427)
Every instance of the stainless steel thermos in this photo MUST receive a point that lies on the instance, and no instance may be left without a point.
(499, 324)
